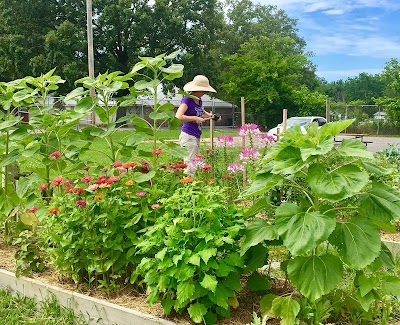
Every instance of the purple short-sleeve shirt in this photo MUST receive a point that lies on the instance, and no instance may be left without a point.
(194, 109)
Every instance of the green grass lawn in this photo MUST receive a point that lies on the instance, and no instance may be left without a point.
(16, 310)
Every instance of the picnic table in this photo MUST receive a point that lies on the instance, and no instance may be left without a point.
(357, 136)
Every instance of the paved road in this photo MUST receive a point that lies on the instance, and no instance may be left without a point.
(380, 143)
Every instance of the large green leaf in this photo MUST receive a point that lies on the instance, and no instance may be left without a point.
(209, 282)
(286, 308)
(337, 184)
(365, 284)
(383, 197)
(315, 276)
(303, 231)
(262, 183)
(354, 148)
(197, 311)
(391, 286)
(185, 290)
(288, 161)
(376, 169)
(334, 128)
(357, 242)
(377, 215)
(322, 147)
(258, 232)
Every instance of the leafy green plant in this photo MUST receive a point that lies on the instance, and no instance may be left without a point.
(190, 256)
(332, 218)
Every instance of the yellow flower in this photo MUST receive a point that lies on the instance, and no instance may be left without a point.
(129, 182)
(104, 185)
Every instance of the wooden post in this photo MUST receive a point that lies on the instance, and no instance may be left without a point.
(284, 119)
(243, 138)
(328, 110)
(89, 27)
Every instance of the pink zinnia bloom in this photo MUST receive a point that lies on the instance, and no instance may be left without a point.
(81, 203)
(209, 150)
(57, 181)
(55, 154)
(157, 152)
(86, 168)
(33, 210)
(122, 170)
(112, 179)
(86, 179)
(155, 206)
(68, 182)
(44, 186)
(117, 164)
(104, 169)
(140, 194)
(93, 187)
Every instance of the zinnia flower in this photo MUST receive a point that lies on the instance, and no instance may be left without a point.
(157, 152)
(155, 206)
(78, 191)
(44, 186)
(186, 180)
(81, 203)
(68, 182)
(98, 196)
(86, 168)
(104, 169)
(69, 189)
(117, 164)
(207, 167)
(93, 187)
(57, 181)
(33, 210)
(55, 154)
(86, 179)
(54, 210)
(129, 182)
(140, 194)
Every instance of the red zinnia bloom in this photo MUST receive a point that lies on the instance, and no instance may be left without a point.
(144, 170)
(104, 169)
(78, 190)
(54, 210)
(55, 154)
(33, 210)
(86, 168)
(207, 167)
(227, 176)
(157, 152)
(86, 179)
(69, 189)
(44, 186)
(68, 182)
(117, 164)
(57, 181)
(81, 203)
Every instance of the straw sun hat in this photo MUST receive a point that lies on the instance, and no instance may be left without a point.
(199, 83)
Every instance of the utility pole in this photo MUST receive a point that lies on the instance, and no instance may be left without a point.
(90, 50)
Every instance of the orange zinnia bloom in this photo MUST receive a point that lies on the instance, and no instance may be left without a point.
(54, 210)
(129, 182)
(98, 196)
(186, 180)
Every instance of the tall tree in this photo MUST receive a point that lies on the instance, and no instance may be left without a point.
(269, 73)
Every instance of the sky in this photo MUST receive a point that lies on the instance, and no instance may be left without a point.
(347, 37)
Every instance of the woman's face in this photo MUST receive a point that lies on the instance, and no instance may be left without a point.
(198, 94)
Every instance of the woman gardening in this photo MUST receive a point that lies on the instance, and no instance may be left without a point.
(192, 114)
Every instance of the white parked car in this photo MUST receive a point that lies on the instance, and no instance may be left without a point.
(300, 121)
